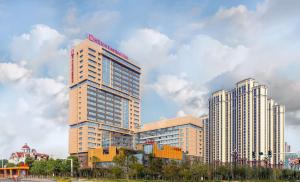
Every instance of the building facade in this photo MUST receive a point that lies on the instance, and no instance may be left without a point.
(104, 98)
(183, 132)
(206, 139)
(245, 125)
(287, 147)
(163, 151)
(104, 157)
(26, 151)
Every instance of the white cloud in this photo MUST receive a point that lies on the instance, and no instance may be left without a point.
(270, 34)
(33, 110)
(183, 92)
(149, 48)
(181, 113)
(215, 52)
(235, 19)
(12, 72)
(34, 93)
(41, 49)
(202, 59)
(205, 58)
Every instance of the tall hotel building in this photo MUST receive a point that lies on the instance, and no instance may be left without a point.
(245, 125)
(104, 103)
(184, 132)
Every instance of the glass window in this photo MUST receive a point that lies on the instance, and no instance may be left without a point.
(148, 149)
(92, 50)
(125, 113)
(106, 71)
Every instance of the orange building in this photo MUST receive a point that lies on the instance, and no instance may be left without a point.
(103, 155)
(11, 172)
(183, 132)
(163, 151)
(104, 98)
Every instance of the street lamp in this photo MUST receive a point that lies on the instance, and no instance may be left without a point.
(260, 154)
(71, 166)
(235, 156)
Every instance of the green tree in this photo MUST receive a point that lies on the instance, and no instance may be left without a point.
(76, 164)
(276, 174)
(10, 165)
(65, 166)
(126, 161)
(171, 171)
(55, 166)
(29, 161)
(50, 167)
(185, 171)
(117, 171)
(154, 168)
(137, 170)
(3, 162)
(199, 171)
(39, 168)
(223, 172)
(120, 166)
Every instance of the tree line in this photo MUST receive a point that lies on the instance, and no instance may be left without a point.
(127, 166)
(53, 167)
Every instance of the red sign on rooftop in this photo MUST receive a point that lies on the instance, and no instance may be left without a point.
(99, 42)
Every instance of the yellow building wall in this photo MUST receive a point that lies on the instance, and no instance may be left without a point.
(167, 152)
(97, 155)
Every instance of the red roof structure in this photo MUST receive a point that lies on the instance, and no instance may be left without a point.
(25, 146)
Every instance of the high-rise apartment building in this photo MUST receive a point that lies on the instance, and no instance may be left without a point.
(245, 125)
(206, 139)
(287, 147)
(184, 132)
(104, 98)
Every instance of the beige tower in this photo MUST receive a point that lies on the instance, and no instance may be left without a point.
(104, 98)
(246, 124)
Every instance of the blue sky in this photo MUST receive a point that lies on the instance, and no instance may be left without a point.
(187, 49)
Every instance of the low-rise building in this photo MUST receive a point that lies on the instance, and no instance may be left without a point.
(13, 172)
(183, 132)
(104, 157)
(26, 151)
(162, 151)
(292, 160)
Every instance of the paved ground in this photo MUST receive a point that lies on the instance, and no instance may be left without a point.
(26, 180)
